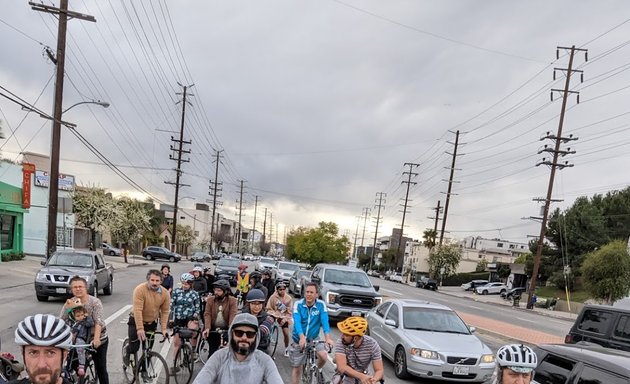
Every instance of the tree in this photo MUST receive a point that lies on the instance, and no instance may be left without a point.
(481, 265)
(185, 237)
(429, 237)
(606, 272)
(504, 271)
(388, 258)
(94, 209)
(447, 257)
(317, 245)
(130, 221)
(364, 260)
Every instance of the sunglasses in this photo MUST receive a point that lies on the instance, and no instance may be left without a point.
(240, 333)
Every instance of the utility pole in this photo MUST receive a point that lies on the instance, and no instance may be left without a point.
(409, 173)
(254, 229)
(380, 204)
(240, 215)
(55, 146)
(437, 210)
(264, 228)
(270, 227)
(215, 187)
(450, 185)
(356, 235)
(178, 170)
(366, 213)
(557, 152)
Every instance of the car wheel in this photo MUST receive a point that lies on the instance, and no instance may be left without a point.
(110, 287)
(485, 292)
(112, 253)
(95, 289)
(400, 364)
(171, 259)
(147, 256)
(42, 298)
(502, 292)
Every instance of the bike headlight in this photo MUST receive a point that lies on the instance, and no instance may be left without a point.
(424, 353)
(487, 358)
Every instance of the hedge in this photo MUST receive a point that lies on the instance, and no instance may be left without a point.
(461, 278)
(12, 256)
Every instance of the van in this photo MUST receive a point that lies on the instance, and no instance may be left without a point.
(603, 325)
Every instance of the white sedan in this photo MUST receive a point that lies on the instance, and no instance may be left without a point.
(491, 288)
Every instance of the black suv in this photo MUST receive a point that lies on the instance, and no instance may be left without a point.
(427, 283)
(603, 325)
(154, 252)
(581, 364)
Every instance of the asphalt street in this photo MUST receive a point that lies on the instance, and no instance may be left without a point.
(18, 302)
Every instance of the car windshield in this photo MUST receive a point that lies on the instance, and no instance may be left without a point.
(303, 273)
(82, 260)
(433, 320)
(267, 260)
(288, 266)
(340, 276)
(229, 263)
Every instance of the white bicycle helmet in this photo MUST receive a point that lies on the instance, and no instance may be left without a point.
(186, 277)
(43, 330)
(517, 357)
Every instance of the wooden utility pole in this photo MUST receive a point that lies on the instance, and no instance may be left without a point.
(240, 215)
(216, 189)
(450, 186)
(556, 151)
(404, 211)
(356, 236)
(55, 145)
(380, 204)
(366, 213)
(264, 228)
(254, 229)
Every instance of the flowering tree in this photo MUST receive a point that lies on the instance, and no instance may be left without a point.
(130, 220)
(94, 209)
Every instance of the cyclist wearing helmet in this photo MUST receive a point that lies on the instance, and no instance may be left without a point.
(268, 282)
(279, 306)
(167, 278)
(199, 283)
(354, 352)
(219, 313)
(515, 364)
(45, 340)
(255, 282)
(185, 308)
(242, 280)
(256, 306)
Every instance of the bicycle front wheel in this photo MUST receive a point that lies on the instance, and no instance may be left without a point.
(129, 369)
(183, 365)
(204, 350)
(90, 374)
(273, 339)
(152, 368)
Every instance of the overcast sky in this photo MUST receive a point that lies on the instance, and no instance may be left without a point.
(317, 105)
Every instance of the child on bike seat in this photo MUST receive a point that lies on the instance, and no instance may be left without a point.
(81, 330)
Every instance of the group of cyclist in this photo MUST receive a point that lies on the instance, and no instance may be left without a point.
(46, 339)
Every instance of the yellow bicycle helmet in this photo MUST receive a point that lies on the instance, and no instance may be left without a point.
(353, 326)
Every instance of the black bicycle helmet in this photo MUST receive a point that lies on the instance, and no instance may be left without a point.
(256, 295)
(281, 284)
(222, 284)
(267, 272)
(255, 275)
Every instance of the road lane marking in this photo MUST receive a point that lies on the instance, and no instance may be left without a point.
(389, 290)
(527, 320)
(117, 314)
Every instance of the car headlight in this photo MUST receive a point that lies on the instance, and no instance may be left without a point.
(331, 297)
(87, 278)
(378, 300)
(41, 276)
(218, 270)
(487, 358)
(425, 354)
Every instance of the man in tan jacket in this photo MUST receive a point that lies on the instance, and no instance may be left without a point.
(219, 314)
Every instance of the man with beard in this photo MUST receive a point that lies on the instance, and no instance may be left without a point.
(219, 314)
(151, 302)
(45, 340)
(354, 352)
(241, 362)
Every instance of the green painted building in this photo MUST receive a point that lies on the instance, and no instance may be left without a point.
(11, 219)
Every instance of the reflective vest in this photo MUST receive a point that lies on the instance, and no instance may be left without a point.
(242, 282)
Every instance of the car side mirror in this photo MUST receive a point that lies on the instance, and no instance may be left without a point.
(315, 280)
(100, 266)
(376, 287)
(391, 323)
(43, 262)
(472, 329)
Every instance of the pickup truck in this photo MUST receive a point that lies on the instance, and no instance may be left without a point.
(347, 291)
(53, 278)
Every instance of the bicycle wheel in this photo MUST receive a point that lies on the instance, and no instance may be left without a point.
(129, 370)
(90, 373)
(203, 350)
(307, 370)
(156, 371)
(273, 339)
(183, 364)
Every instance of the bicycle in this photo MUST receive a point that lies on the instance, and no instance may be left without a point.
(310, 371)
(72, 364)
(184, 363)
(203, 347)
(151, 367)
(273, 338)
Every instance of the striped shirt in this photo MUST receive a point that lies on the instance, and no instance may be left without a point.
(359, 359)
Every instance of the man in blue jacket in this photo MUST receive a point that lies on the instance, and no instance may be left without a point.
(309, 315)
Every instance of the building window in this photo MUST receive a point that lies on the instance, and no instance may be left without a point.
(7, 226)
(500, 245)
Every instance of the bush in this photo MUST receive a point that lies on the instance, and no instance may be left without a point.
(12, 256)
(557, 279)
(461, 278)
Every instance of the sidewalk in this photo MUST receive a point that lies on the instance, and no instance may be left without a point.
(22, 272)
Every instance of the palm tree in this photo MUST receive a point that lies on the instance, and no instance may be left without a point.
(430, 238)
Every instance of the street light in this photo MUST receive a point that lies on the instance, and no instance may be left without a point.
(53, 182)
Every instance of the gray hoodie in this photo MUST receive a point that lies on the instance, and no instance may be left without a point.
(223, 367)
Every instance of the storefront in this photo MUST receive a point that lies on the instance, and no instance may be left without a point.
(11, 220)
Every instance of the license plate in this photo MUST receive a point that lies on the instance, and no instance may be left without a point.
(61, 290)
(357, 314)
(457, 370)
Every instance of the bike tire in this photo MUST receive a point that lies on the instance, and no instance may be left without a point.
(183, 364)
(203, 350)
(129, 371)
(273, 339)
(90, 374)
(156, 370)
(307, 370)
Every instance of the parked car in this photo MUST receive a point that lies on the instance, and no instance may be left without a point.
(264, 263)
(248, 257)
(491, 288)
(108, 249)
(427, 283)
(227, 268)
(509, 295)
(54, 277)
(603, 325)
(395, 277)
(429, 340)
(471, 285)
(346, 291)
(154, 252)
(200, 256)
(218, 255)
(284, 270)
(295, 282)
(581, 363)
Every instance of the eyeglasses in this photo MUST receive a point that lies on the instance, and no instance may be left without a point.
(256, 303)
(240, 333)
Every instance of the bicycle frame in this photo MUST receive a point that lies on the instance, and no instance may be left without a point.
(72, 362)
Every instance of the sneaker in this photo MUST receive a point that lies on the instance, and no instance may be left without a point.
(145, 376)
(174, 370)
(286, 352)
(81, 371)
